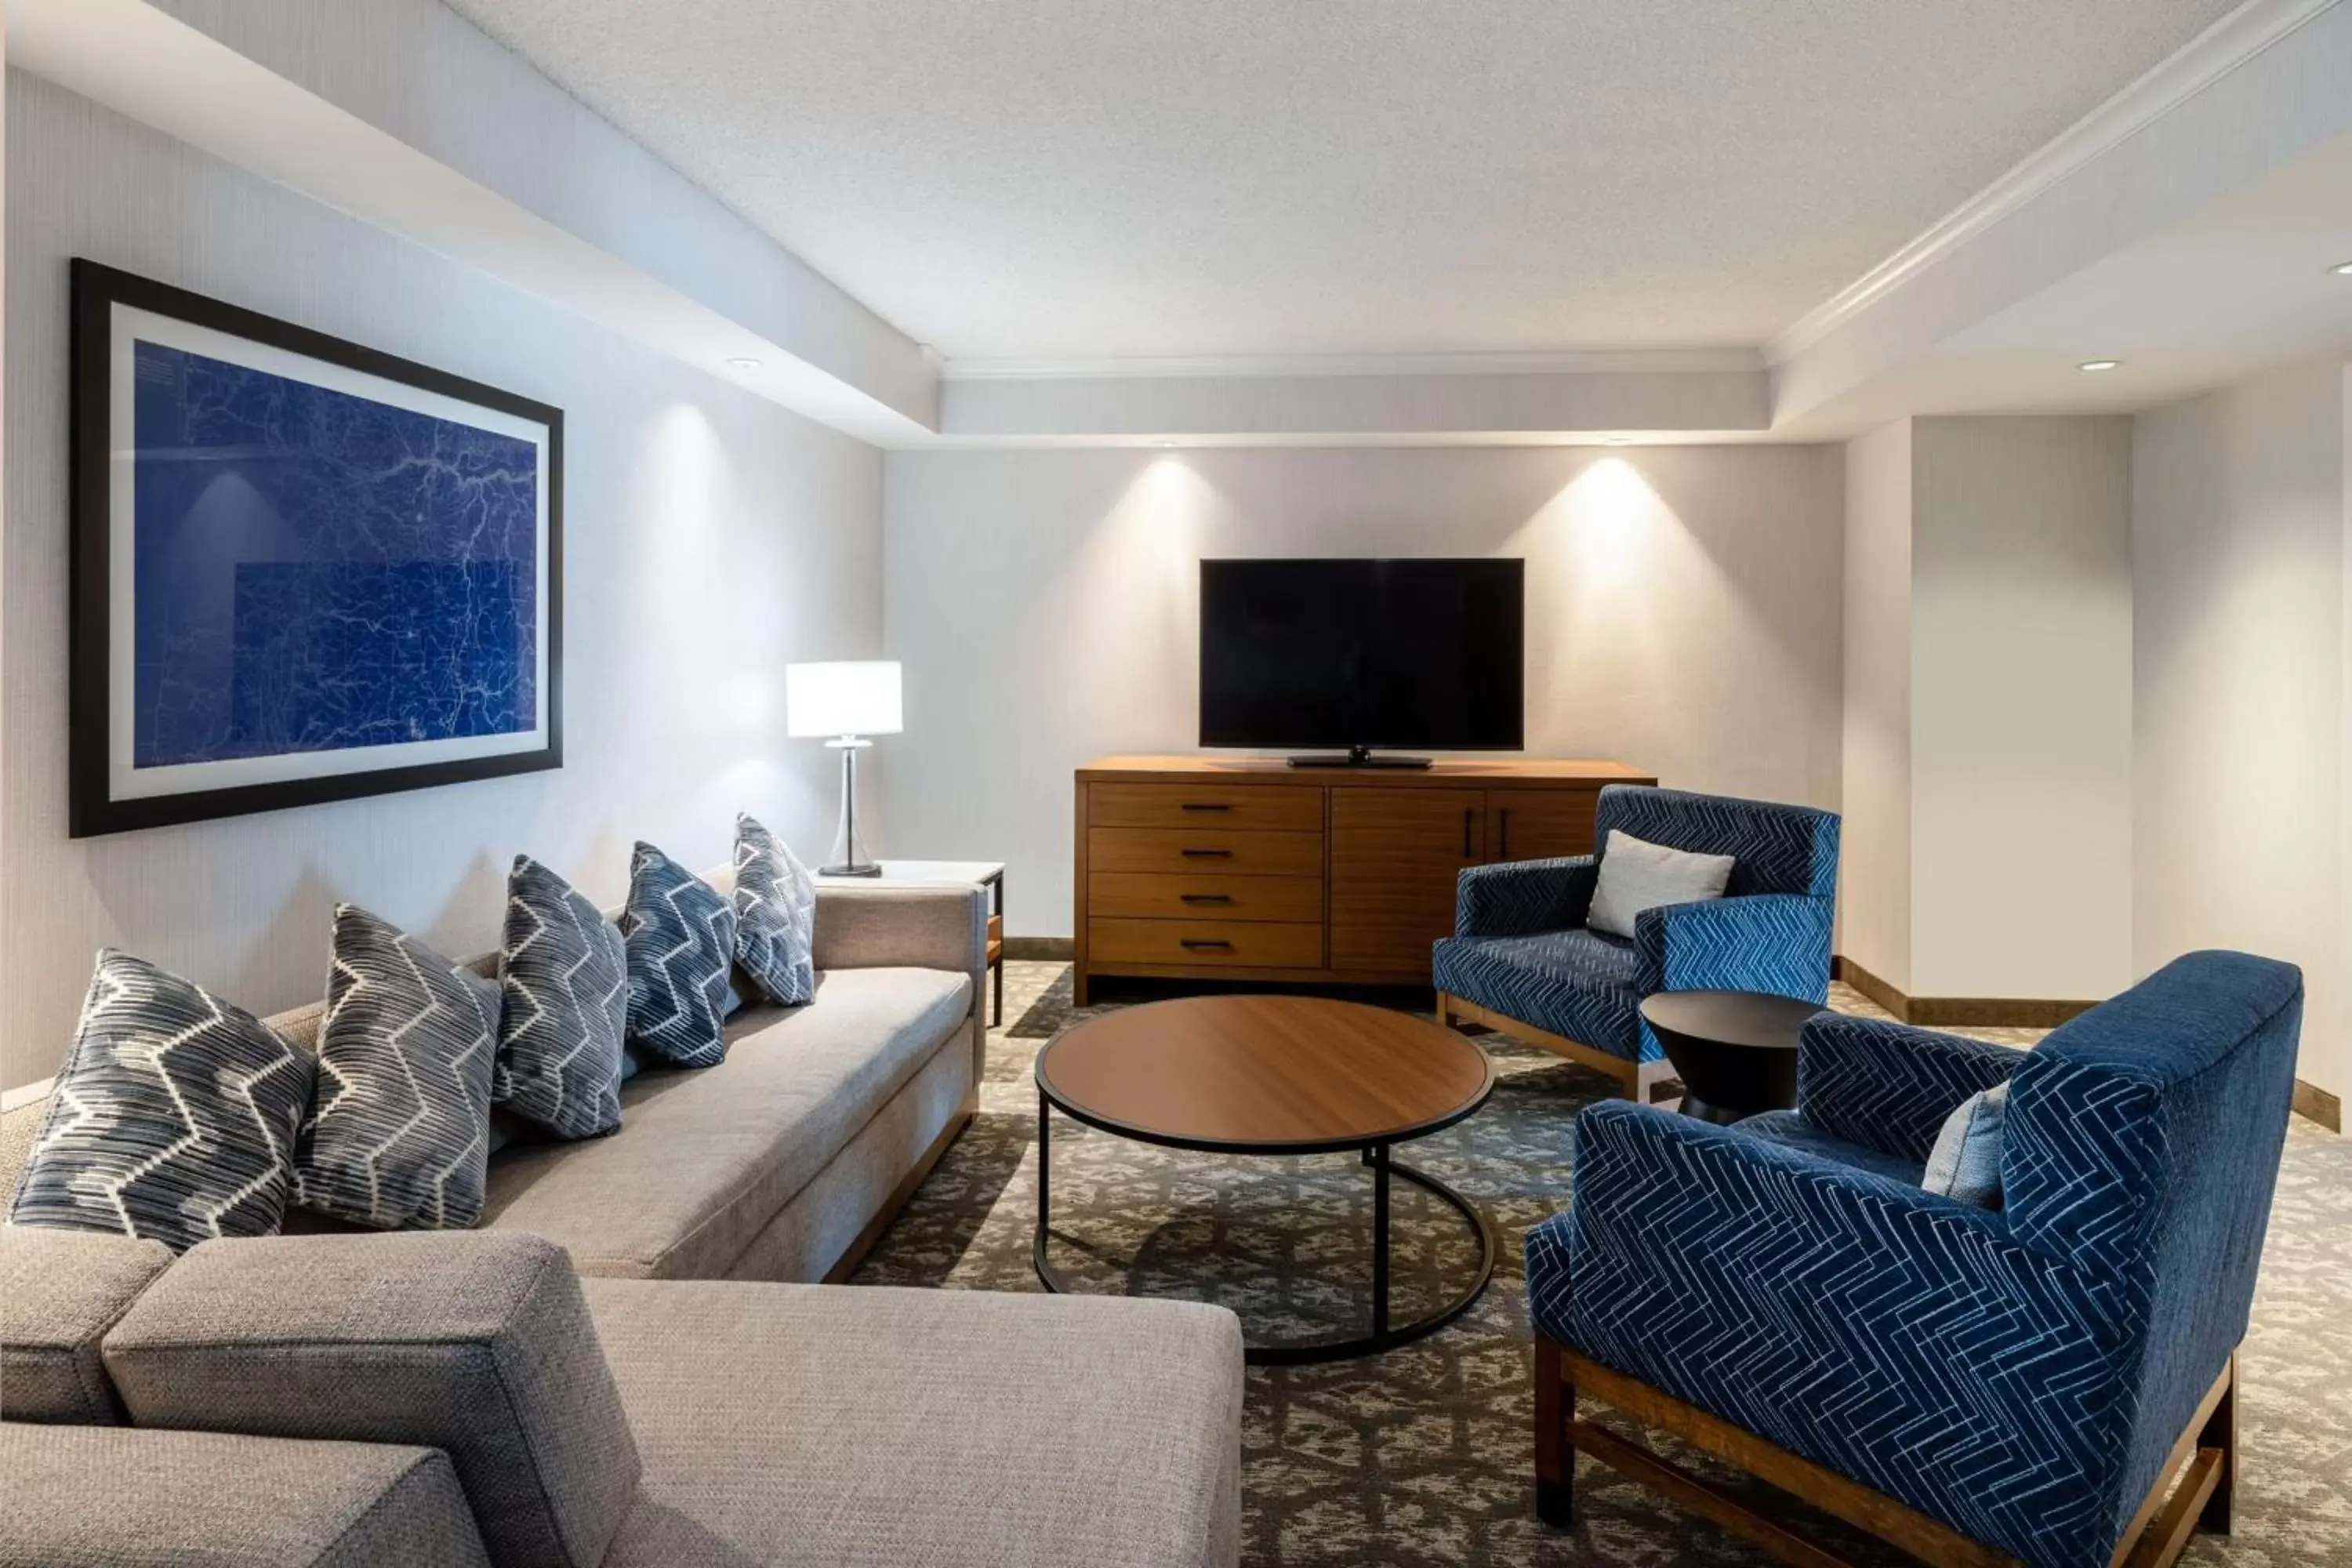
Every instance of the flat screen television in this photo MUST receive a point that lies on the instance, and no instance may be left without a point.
(1362, 654)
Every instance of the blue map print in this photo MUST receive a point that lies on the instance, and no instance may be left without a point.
(317, 571)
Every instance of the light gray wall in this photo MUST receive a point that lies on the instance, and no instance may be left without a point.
(1683, 611)
(2020, 707)
(2238, 568)
(1874, 863)
(709, 537)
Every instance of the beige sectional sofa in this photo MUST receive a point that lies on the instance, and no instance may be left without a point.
(371, 1397)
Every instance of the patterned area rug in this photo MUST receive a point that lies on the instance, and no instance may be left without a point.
(1422, 1456)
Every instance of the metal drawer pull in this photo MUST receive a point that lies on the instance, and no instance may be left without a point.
(1218, 946)
(1206, 805)
(1208, 853)
(1206, 898)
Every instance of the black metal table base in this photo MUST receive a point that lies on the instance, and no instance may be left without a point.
(1384, 1335)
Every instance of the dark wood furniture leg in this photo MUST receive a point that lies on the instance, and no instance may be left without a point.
(2221, 1432)
(1555, 1460)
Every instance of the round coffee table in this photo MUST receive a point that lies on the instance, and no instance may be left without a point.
(1736, 1051)
(1274, 1075)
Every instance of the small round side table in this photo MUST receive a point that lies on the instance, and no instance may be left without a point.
(1736, 1051)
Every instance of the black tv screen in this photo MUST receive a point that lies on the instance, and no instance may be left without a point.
(1362, 652)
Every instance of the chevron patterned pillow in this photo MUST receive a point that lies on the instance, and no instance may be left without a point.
(563, 983)
(776, 905)
(681, 943)
(174, 1118)
(398, 1135)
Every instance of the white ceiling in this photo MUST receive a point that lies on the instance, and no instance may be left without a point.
(1050, 179)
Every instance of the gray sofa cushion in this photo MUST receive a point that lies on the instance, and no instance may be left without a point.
(109, 1497)
(828, 1425)
(710, 1156)
(475, 1344)
(60, 1291)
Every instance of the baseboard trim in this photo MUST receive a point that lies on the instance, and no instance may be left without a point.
(1958, 1012)
(1041, 948)
(2311, 1101)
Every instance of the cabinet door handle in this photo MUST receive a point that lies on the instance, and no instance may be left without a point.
(1205, 805)
(1502, 849)
(1204, 944)
(1206, 898)
(1207, 854)
(1467, 813)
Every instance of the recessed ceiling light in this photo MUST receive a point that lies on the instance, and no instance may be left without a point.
(2341, 269)
(744, 361)
(1165, 446)
(1616, 440)
(2100, 365)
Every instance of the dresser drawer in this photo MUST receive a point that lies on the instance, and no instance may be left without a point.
(1276, 807)
(1208, 849)
(1209, 945)
(1177, 895)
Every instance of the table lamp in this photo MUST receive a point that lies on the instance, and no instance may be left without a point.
(844, 703)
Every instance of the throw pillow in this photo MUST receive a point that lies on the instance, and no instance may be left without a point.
(1637, 875)
(174, 1119)
(399, 1128)
(681, 940)
(1966, 1162)
(775, 908)
(563, 981)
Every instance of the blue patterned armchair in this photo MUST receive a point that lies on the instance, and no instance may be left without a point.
(1976, 1385)
(1522, 960)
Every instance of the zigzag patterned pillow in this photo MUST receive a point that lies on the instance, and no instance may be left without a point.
(775, 908)
(174, 1119)
(563, 983)
(681, 937)
(399, 1128)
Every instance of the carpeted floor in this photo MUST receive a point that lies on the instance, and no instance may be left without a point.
(1421, 1457)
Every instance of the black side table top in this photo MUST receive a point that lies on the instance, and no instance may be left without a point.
(1730, 1017)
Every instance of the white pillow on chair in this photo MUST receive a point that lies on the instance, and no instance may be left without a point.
(1637, 875)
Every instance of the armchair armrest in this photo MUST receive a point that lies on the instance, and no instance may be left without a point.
(912, 927)
(1899, 1337)
(1775, 942)
(1520, 897)
(1888, 1086)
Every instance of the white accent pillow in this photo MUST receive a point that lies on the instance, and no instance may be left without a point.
(1966, 1162)
(1637, 875)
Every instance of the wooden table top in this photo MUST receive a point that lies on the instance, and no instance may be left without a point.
(1264, 1074)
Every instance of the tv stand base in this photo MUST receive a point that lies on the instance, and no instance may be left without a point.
(1360, 757)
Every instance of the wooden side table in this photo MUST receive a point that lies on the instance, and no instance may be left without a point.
(989, 874)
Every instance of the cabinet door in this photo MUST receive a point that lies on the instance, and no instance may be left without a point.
(1539, 824)
(1395, 853)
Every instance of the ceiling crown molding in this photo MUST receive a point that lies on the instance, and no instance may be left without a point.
(1573, 361)
(2203, 60)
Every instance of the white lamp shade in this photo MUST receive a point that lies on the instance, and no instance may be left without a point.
(853, 697)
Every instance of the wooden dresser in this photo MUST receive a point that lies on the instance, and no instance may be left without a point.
(1246, 868)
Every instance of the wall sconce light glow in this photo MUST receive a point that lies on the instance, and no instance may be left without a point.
(2099, 365)
(745, 361)
(2341, 269)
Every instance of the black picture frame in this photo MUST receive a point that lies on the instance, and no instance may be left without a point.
(92, 810)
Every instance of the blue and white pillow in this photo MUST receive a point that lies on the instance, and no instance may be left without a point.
(681, 939)
(564, 980)
(776, 910)
(1966, 1162)
(398, 1135)
(174, 1117)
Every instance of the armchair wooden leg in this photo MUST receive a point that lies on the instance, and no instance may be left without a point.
(1555, 1459)
(1445, 1011)
(2220, 1431)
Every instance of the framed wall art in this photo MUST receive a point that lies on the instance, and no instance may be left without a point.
(303, 570)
